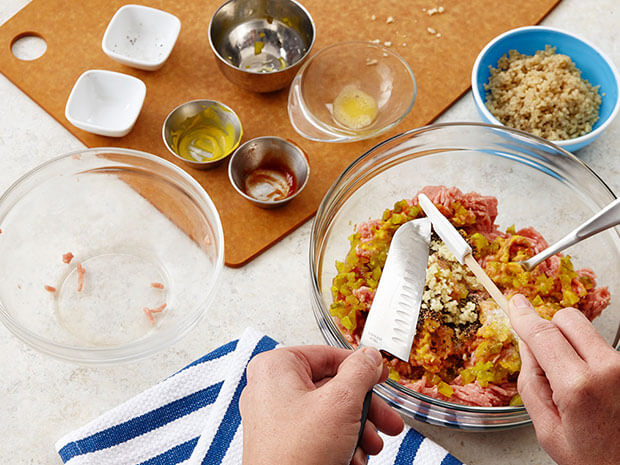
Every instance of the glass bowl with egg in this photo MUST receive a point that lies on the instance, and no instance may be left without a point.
(351, 91)
(534, 184)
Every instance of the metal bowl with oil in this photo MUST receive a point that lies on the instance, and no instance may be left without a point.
(202, 133)
(260, 45)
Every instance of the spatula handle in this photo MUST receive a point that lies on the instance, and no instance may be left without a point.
(489, 285)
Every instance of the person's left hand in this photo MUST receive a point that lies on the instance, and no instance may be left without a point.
(302, 406)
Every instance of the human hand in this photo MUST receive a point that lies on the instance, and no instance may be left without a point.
(302, 406)
(569, 385)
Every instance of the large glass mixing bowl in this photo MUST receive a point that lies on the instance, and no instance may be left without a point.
(536, 183)
(142, 233)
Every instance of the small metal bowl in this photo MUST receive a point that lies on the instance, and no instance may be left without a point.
(260, 45)
(258, 160)
(215, 115)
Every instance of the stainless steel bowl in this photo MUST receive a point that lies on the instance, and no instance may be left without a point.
(272, 153)
(177, 119)
(260, 45)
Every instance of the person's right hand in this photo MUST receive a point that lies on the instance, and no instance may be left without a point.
(569, 383)
(302, 406)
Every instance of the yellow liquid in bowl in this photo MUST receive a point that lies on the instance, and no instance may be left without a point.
(204, 137)
(354, 108)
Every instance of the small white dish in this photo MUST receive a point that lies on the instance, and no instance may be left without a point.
(140, 36)
(105, 102)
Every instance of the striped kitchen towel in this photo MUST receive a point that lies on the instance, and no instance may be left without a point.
(193, 418)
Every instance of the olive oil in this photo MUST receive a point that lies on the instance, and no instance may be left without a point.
(203, 137)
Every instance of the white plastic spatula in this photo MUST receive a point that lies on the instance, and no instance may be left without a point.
(461, 249)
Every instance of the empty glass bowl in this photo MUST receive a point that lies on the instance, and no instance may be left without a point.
(94, 243)
(351, 91)
(536, 183)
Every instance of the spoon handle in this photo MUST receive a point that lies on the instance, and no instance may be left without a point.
(606, 218)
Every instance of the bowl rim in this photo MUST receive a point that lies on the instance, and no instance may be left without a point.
(316, 294)
(480, 101)
(193, 163)
(273, 203)
(258, 73)
(345, 135)
(124, 352)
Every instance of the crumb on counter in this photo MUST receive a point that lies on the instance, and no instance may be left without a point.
(157, 285)
(370, 62)
(430, 30)
(66, 258)
(387, 43)
(389, 20)
(373, 17)
(543, 94)
(48, 288)
(433, 11)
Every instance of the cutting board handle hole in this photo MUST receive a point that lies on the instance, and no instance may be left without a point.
(28, 46)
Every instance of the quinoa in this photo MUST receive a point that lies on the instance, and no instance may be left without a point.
(543, 94)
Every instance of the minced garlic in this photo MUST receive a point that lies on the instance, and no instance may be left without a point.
(442, 272)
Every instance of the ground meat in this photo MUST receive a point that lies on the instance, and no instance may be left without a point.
(81, 272)
(150, 311)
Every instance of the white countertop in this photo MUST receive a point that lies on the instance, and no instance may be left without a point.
(42, 398)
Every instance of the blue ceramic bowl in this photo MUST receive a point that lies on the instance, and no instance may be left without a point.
(595, 66)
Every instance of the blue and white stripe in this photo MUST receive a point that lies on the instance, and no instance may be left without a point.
(192, 418)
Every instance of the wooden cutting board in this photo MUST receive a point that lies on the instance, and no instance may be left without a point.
(442, 65)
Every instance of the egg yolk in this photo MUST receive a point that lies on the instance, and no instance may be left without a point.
(354, 108)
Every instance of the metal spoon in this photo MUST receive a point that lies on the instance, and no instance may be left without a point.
(605, 219)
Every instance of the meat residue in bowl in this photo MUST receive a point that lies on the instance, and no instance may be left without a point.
(270, 183)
